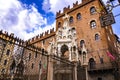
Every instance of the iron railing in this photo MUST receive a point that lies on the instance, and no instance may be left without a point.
(102, 66)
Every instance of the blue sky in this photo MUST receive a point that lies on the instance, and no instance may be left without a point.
(27, 18)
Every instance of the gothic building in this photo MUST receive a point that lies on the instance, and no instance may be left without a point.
(81, 48)
(80, 39)
(6, 52)
(9, 57)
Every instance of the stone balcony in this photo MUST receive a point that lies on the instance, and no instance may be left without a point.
(98, 67)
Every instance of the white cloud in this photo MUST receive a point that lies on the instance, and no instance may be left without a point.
(23, 22)
(46, 5)
(57, 5)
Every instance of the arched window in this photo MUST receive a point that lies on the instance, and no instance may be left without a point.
(82, 42)
(5, 62)
(29, 56)
(32, 66)
(64, 49)
(92, 63)
(71, 19)
(97, 37)
(8, 52)
(59, 24)
(92, 10)
(78, 16)
(93, 24)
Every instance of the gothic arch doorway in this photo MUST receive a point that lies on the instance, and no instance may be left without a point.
(65, 51)
(92, 63)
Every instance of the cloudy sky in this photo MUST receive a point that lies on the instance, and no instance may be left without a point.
(27, 18)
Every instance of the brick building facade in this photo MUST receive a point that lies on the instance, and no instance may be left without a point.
(6, 52)
(79, 39)
(94, 44)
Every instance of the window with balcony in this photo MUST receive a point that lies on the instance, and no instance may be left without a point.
(92, 10)
(93, 24)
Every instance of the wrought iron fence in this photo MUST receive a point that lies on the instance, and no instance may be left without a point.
(35, 67)
(63, 70)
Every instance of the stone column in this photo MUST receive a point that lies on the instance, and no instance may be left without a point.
(86, 72)
(70, 53)
(50, 68)
(76, 53)
(75, 72)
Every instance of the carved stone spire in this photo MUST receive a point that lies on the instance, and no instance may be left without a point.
(66, 20)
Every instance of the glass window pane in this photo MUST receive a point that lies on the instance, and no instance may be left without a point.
(92, 10)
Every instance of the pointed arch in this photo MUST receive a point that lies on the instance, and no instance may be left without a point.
(92, 63)
(64, 50)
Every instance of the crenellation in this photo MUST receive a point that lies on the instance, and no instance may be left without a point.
(68, 6)
(75, 4)
(11, 36)
(68, 9)
(15, 38)
(52, 30)
(65, 10)
(41, 35)
(5, 32)
(33, 39)
(58, 13)
(37, 36)
(0, 31)
(28, 40)
(20, 41)
(46, 32)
